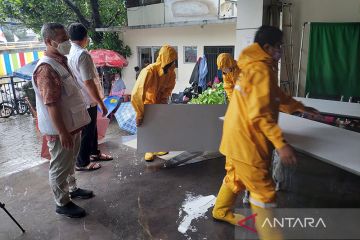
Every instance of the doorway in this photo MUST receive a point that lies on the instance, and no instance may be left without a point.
(211, 53)
(147, 55)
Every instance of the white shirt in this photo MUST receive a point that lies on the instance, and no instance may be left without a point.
(84, 69)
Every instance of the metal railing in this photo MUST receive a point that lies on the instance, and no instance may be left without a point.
(11, 91)
(9, 46)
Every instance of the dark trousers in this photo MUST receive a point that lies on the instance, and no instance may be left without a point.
(89, 140)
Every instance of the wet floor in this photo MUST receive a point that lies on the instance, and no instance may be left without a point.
(136, 200)
(19, 144)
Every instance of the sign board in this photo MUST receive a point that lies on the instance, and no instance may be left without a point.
(190, 10)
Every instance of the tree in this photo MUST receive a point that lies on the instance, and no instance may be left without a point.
(91, 13)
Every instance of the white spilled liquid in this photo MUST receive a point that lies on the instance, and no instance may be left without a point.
(194, 207)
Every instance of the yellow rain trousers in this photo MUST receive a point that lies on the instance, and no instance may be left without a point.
(153, 86)
(225, 60)
(251, 130)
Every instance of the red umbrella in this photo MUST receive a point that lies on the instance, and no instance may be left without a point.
(108, 58)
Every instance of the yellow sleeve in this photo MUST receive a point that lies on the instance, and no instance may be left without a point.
(259, 108)
(144, 93)
(150, 88)
(288, 104)
(229, 87)
(167, 89)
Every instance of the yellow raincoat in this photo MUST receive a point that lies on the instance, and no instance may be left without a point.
(225, 60)
(250, 126)
(152, 85)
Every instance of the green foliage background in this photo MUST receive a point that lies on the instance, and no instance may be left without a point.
(215, 95)
(92, 13)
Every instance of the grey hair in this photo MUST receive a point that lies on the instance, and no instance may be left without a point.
(48, 30)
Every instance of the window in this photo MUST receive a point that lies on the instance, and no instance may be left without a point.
(145, 57)
(190, 54)
(148, 55)
(156, 51)
(211, 53)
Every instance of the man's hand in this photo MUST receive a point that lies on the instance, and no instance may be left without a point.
(287, 155)
(103, 109)
(312, 112)
(66, 140)
(139, 121)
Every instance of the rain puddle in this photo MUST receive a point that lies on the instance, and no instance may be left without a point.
(194, 207)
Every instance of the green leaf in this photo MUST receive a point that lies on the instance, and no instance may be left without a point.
(215, 95)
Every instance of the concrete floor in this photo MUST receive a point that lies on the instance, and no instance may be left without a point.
(135, 200)
(19, 144)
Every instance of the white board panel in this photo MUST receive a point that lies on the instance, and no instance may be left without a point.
(333, 107)
(181, 127)
(330, 144)
(199, 128)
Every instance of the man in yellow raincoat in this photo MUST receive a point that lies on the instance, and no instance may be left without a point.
(230, 70)
(154, 86)
(251, 130)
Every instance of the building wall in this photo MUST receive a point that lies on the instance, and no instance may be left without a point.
(194, 10)
(200, 36)
(145, 15)
(172, 11)
(13, 60)
(250, 17)
(318, 11)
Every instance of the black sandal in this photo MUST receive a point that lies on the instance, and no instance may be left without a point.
(89, 168)
(101, 157)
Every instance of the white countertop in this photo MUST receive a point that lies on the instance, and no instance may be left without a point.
(333, 107)
(330, 144)
(333, 145)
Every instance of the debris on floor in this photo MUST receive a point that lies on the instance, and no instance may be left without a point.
(194, 207)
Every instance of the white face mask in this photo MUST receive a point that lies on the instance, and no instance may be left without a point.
(64, 47)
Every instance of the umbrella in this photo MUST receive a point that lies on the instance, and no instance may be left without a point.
(126, 117)
(108, 58)
(26, 72)
(111, 103)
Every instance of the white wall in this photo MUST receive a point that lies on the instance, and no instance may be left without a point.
(200, 36)
(146, 15)
(319, 11)
(187, 11)
(249, 18)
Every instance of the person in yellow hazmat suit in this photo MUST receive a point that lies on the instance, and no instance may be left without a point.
(154, 86)
(230, 71)
(251, 130)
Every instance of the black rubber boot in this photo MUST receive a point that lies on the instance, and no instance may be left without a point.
(82, 194)
(71, 210)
